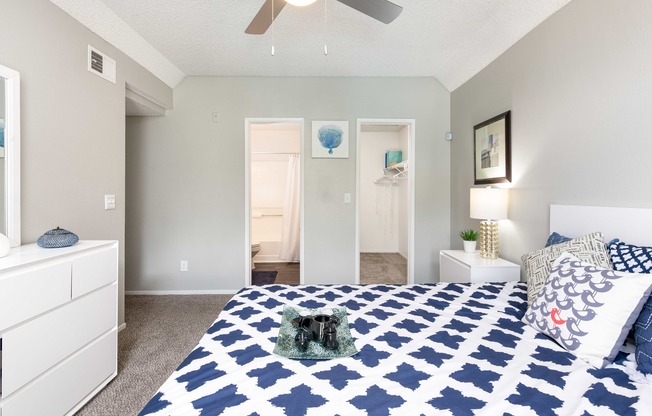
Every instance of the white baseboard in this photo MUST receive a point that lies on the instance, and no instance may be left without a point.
(181, 292)
(121, 327)
(268, 258)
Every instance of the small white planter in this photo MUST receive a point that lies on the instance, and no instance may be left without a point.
(469, 246)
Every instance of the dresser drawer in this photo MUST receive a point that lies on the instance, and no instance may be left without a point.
(63, 388)
(94, 270)
(31, 349)
(33, 291)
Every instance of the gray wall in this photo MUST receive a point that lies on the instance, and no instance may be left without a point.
(2, 161)
(73, 123)
(185, 177)
(2, 99)
(580, 90)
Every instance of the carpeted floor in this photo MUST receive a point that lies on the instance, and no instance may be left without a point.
(160, 332)
(386, 268)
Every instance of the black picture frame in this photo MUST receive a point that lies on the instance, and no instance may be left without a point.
(492, 156)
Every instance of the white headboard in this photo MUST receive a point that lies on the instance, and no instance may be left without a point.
(631, 225)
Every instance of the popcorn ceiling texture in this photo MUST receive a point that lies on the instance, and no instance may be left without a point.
(96, 16)
(448, 40)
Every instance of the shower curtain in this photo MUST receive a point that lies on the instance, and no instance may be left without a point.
(290, 236)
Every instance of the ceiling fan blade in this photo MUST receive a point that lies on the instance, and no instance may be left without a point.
(382, 10)
(263, 19)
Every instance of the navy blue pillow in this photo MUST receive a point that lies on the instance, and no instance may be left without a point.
(630, 258)
(636, 259)
(643, 338)
(556, 238)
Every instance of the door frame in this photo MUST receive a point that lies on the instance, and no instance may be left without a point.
(411, 123)
(248, 121)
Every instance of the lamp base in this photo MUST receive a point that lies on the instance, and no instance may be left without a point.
(489, 239)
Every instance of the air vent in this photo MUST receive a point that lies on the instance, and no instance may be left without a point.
(100, 64)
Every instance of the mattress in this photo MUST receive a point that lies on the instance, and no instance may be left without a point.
(458, 349)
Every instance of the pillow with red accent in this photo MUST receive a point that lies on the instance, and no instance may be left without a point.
(587, 309)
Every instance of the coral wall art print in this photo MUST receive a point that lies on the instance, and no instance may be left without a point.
(330, 139)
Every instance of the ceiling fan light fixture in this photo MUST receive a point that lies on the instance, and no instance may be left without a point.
(300, 3)
(382, 10)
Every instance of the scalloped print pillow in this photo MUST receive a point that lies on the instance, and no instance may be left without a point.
(586, 309)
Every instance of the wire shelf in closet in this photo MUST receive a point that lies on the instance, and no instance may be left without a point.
(392, 174)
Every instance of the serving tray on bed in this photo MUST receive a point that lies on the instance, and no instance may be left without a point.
(286, 346)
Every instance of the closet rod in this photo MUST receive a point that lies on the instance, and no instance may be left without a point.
(274, 153)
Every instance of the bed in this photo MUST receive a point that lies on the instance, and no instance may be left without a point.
(458, 349)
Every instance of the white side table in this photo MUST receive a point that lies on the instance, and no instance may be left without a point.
(461, 267)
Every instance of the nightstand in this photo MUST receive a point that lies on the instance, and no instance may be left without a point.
(461, 267)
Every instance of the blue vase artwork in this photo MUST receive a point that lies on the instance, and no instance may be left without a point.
(330, 137)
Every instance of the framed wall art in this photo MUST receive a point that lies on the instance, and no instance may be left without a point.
(330, 139)
(491, 150)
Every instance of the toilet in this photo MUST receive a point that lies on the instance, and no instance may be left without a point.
(255, 248)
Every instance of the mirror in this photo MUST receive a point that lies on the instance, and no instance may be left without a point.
(10, 154)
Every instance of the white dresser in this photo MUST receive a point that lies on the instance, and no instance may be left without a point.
(461, 267)
(58, 326)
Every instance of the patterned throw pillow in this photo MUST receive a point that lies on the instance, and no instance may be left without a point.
(589, 248)
(637, 259)
(643, 338)
(588, 310)
(630, 258)
(556, 238)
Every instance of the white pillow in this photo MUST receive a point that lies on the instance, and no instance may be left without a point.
(586, 309)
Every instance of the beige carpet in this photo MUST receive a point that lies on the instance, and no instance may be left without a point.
(160, 332)
(388, 268)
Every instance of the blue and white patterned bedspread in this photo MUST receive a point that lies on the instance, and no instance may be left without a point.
(441, 349)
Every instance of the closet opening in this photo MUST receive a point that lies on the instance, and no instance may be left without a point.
(385, 195)
(274, 206)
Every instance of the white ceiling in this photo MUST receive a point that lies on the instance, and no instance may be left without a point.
(450, 40)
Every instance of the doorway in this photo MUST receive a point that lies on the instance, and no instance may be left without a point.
(385, 195)
(273, 201)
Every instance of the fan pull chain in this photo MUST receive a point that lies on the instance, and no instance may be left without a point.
(325, 26)
(272, 24)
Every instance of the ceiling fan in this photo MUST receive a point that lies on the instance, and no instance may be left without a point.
(381, 10)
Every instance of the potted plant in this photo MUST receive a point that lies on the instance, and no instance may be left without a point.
(470, 237)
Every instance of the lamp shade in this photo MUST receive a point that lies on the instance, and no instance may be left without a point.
(488, 203)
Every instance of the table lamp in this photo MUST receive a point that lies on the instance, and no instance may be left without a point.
(488, 204)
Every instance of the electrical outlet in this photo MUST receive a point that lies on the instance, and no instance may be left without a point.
(184, 265)
(109, 202)
(347, 198)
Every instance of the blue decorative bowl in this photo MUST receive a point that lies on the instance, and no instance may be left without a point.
(57, 238)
